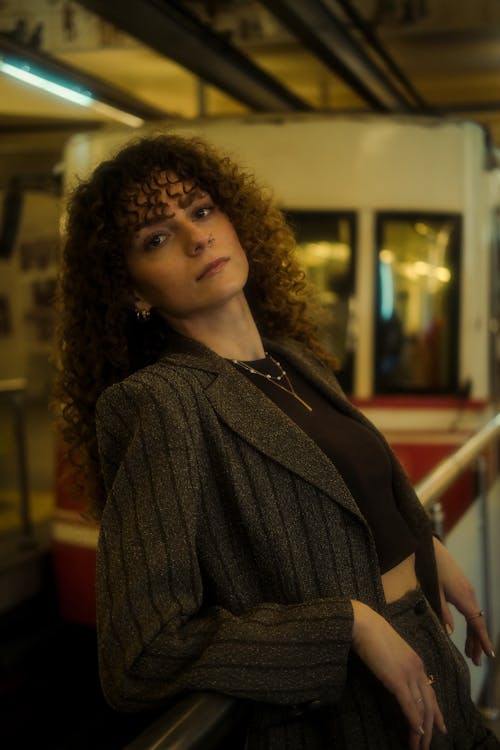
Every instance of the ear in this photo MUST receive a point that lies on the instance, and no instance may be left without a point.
(139, 303)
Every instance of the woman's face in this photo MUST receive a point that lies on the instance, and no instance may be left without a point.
(185, 258)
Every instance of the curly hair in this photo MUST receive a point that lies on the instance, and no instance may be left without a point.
(99, 338)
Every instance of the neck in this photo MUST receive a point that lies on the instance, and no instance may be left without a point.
(230, 332)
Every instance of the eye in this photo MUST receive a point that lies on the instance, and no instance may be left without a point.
(201, 212)
(157, 239)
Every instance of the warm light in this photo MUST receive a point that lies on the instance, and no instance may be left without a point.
(65, 92)
(442, 274)
(118, 114)
(421, 229)
(442, 237)
(422, 268)
(408, 270)
(317, 253)
(386, 256)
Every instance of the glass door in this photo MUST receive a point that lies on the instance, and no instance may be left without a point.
(417, 297)
(326, 242)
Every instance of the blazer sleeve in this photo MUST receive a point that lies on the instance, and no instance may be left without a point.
(156, 635)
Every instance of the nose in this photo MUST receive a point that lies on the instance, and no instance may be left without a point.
(197, 239)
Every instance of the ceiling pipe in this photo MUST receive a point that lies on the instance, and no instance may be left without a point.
(21, 54)
(324, 34)
(174, 32)
(372, 39)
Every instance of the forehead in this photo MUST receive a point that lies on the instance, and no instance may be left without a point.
(155, 197)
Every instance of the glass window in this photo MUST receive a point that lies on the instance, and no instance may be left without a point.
(326, 251)
(417, 303)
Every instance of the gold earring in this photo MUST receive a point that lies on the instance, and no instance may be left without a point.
(143, 315)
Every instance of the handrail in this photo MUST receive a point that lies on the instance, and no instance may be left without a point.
(199, 720)
(449, 469)
(430, 490)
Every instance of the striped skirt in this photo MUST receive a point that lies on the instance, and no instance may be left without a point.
(368, 717)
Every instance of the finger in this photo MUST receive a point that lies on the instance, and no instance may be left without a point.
(420, 709)
(432, 716)
(482, 636)
(473, 648)
(417, 736)
(428, 722)
(439, 722)
(448, 620)
(415, 740)
(414, 710)
(470, 646)
(477, 630)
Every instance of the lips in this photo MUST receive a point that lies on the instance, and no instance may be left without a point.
(212, 268)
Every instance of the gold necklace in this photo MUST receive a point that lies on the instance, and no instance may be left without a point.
(276, 380)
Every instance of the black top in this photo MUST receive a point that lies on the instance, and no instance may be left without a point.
(357, 452)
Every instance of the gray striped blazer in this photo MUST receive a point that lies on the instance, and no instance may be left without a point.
(230, 546)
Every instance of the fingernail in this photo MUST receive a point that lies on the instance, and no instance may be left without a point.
(421, 730)
(445, 729)
(492, 654)
(449, 629)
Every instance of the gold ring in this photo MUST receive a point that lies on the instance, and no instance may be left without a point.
(431, 679)
(479, 613)
(419, 699)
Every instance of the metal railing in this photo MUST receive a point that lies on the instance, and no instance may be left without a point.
(430, 490)
(200, 720)
(449, 469)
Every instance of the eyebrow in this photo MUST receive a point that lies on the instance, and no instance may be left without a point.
(188, 198)
(183, 202)
(152, 221)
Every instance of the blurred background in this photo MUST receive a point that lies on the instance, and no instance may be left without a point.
(79, 77)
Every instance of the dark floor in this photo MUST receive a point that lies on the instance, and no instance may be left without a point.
(50, 697)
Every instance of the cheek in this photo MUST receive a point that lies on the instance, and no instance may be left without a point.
(160, 285)
(244, 260)
(152, 281)
(245, 264)
(146, 266)
(235, 242)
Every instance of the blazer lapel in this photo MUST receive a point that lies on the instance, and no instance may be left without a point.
(256, 419)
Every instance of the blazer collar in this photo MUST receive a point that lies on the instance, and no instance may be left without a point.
(244, 408)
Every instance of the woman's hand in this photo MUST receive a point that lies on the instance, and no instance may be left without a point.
(455, 588)
(401, 670)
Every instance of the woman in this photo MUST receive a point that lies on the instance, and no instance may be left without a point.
(258, 538)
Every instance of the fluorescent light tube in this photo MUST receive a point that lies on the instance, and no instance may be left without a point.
(23, 73)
